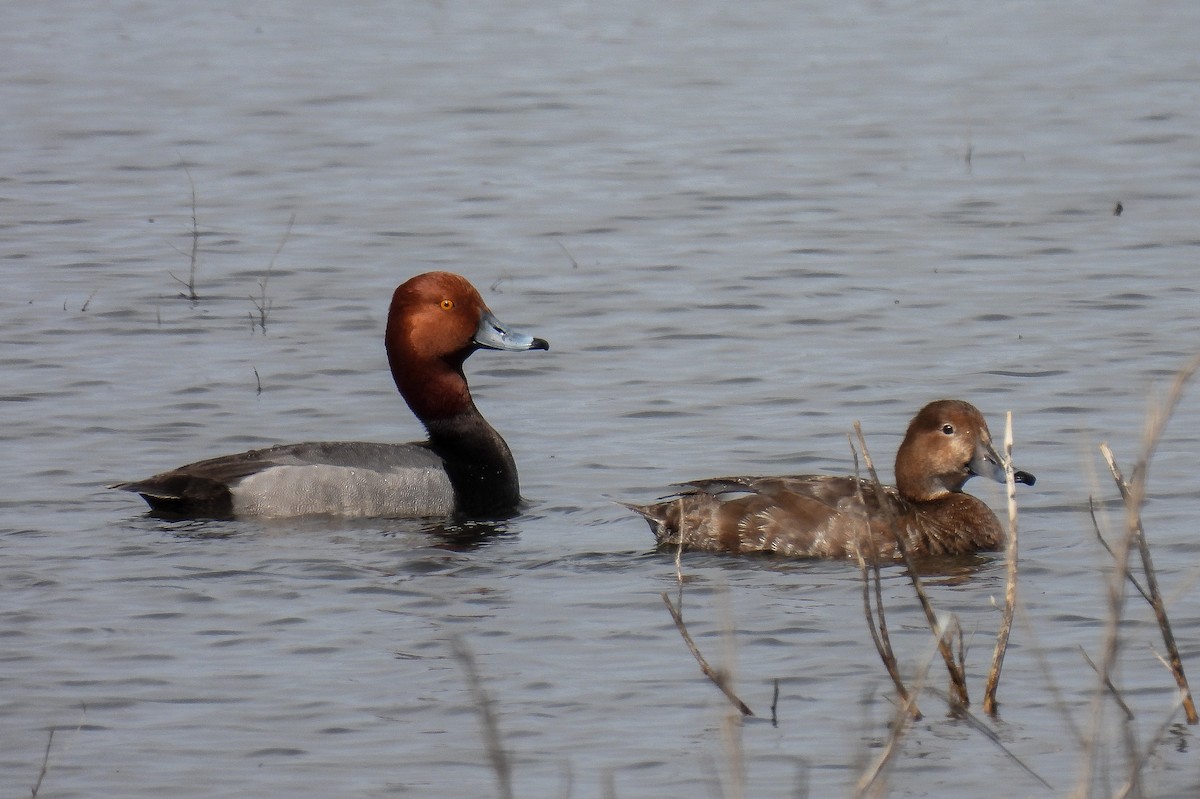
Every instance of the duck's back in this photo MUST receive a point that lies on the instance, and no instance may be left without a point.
(334, 478)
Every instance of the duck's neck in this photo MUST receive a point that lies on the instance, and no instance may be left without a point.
(478, 461)
(914, 482)
(435, 390)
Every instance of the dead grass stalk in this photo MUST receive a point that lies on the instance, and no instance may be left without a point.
(487, 718)
(1010, 588)
(959, 697)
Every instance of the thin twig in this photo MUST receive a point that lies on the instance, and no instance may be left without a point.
(679, 550)
(1112, 689)
(264, 303)
(902, 721)
(1100, 537)
(566, 252)
(45, 765)
(487, 718)
(1039, 652)
(37, 786)
(194, 258)
(1010, 588)
(1108, 660)
(718, 678)
(1135, 767)
(981, 727)
(1155, 595)
(878, 630)
(1134, 493)
(958, 682)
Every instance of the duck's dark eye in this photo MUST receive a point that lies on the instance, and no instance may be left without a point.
(948, 429)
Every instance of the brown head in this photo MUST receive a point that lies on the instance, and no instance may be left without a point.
(947, 443)
(435, 322)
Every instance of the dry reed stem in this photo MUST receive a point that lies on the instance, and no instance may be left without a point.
(1137, 763)
(879, 634)
(1104, 543)
(1048, 676)
(1112, 641)
(868, 783)
(679, 553)
(263, 303)
(1010, 588)
(879, 631)
(1134, 494)
(1112, 689)
(566, 252)
(731, 723)
(487, 718)
(194, 259)
(1152, 593)
(45, 769)
(901, 723)
(37, 786)
(719, 678)
(731, 735)
(959, 697)
(981, 727)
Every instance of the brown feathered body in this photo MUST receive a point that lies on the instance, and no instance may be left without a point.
(823, 516)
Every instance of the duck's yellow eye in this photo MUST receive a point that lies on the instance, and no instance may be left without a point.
(447, 305)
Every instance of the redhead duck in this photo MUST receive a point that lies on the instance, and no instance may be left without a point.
(435, 322)
(820, 516)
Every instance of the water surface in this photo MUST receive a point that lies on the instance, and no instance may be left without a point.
(742, 227)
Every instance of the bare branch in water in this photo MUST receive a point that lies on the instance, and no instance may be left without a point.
(719, 679)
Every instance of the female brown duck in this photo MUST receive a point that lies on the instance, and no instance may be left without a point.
(819, 516)
(435, 322)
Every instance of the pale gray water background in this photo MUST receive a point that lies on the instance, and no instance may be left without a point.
(783, 217)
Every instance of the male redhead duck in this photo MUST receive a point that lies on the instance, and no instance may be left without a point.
(435, 322)
(820, 516)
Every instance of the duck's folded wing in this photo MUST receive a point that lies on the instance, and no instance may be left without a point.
(836, 493)
(208, 487)
(796, 516)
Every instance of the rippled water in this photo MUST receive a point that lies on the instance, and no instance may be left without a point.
(742, 227)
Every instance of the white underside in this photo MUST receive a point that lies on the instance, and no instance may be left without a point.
(320, 489)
